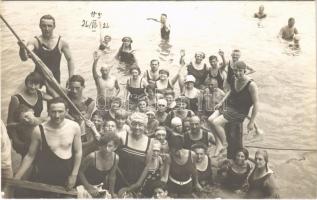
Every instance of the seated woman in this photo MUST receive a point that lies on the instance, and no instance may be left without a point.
(261, 181)
(241, 98)
(237, 171)
(164, 83)
(203, 164)
(183, 176)
(155, 170)
(192, 93)
(126, 54)
(99, 165)
(32, 98)
(135, 87)
(134, 152)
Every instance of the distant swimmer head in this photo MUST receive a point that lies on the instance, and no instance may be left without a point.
(291, 22)
(261, 8)
(107, 38)
(127, 39)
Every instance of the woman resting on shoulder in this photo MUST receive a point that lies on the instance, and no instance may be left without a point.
(261, 181)
(99, 165)
(235, 172)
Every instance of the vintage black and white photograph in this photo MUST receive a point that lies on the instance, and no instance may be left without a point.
(158, 99)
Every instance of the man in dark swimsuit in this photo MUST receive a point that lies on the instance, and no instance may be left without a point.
(55, 148)
(49, 48)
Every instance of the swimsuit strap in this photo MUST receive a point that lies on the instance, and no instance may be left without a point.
(141, 82)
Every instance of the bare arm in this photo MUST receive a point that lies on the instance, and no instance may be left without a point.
(254, 96)
(112, 176)
(165, 168)
(90, 109)
(88, 161)
(176, 77)
(195, 173)
(29, 158)
(77, 151)
(70, 61)
(23, 53)
(250, 70)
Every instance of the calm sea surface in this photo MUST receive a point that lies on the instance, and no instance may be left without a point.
(287, 84)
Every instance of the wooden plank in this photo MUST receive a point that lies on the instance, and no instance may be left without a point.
(38, 186)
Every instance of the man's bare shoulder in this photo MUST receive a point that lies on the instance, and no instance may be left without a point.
(72, 126)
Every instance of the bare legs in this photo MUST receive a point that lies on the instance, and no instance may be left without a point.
(218, 123)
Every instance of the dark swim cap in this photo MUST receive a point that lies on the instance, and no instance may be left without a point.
(127, 39)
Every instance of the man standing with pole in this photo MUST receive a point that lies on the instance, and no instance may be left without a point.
(49, 48)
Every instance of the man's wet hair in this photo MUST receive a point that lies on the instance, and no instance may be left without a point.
(291, 18)
(48, 17)
(163, 14)
(153, 60)
(55, 101)
(199, 145)
(34, 77)
(212, 57)
(77, 78)
(236, 51)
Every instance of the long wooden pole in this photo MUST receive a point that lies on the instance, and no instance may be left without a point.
(48, 75)
(37, 186)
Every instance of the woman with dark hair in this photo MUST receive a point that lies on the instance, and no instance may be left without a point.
(100, 164)
(135, 87)
(183, 176)
(237, 171)
(180, 110)
(31, 97)
(126, 54)
(203, 164)
(261, 181)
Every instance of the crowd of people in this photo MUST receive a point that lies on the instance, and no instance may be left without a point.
(151, 142)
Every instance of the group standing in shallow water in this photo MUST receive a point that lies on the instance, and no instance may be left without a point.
(150, 143)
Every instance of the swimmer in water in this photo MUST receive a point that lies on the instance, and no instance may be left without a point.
(165, 27)
(260, 14)
(289, 31)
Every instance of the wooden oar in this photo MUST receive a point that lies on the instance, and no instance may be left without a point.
(38, 186)
(49, 76)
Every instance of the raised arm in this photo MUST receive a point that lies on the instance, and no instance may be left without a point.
(116, 85)
(153, 19)
(68, 56)
(96, 57)
(30, 156)
(223, 64)
(253, 89)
